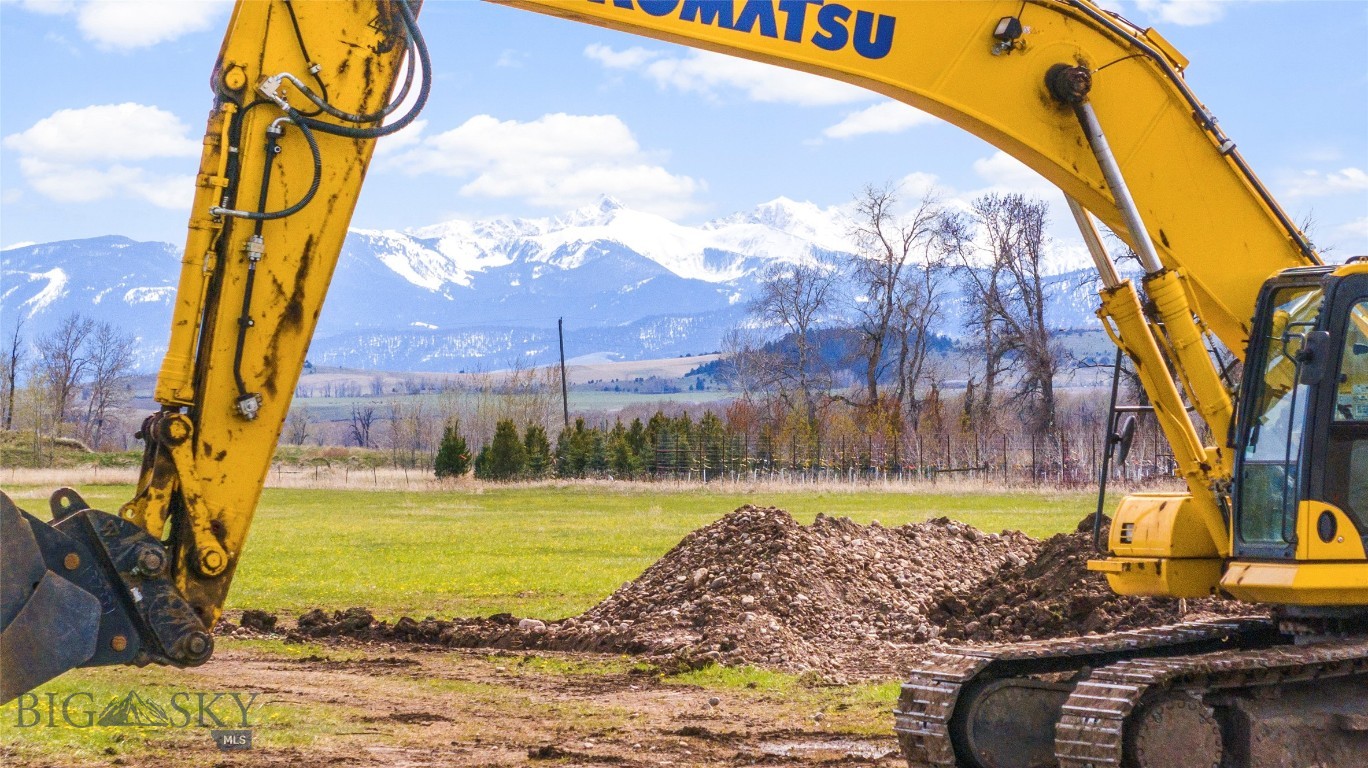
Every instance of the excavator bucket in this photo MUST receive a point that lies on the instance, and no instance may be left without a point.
(88, 589)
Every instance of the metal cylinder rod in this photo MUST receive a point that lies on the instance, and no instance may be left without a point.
(1105, 266)
(1140, 239)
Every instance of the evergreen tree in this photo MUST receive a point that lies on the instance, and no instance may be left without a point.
(657, 430)
(538, 449)
(453, 456)
(597, 453)
(623, 461)
(565, 454)
(507, 458)
(582, 447)
(712, 437)
(637, 441)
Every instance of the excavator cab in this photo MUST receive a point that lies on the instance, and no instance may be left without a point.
(1300, 491)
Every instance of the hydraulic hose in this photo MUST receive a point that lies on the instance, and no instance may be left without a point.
(301, 121)
(424, 88)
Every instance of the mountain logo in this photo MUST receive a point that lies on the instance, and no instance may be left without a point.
(133, 710)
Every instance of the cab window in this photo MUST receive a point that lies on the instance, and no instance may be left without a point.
(1271, 469)
(1347, 465)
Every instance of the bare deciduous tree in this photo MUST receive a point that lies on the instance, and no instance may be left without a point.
(362, 416)
(62, 362)
(794, 298)
(111, 366)
(896, 280)
(297, 425)
(1013, 300)
(11, 364)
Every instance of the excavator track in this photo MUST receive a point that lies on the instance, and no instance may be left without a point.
(1094, 727)
(1079, 702)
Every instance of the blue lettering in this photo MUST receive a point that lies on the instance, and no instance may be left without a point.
(872, 36)
(869, 43)
(658, 7)
(834, 35)
(717, 12)
(761, 11)
(796, 11)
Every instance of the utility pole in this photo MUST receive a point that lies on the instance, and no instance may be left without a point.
(565, 397)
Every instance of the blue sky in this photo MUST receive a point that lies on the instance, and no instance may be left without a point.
(102, 104)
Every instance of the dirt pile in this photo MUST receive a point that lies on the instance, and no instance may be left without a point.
(1055, 595)
(837, 597)
(755, 587)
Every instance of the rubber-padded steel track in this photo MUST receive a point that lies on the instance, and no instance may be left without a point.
(929, 698)
(1091, 733)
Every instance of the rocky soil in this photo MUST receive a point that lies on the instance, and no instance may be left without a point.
(836, 597)
(1054, 595)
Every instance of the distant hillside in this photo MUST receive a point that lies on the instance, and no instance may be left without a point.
(486, 295)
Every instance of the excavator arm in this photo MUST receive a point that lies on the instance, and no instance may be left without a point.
(302, 90)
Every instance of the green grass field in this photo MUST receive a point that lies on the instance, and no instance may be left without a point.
(541, 551)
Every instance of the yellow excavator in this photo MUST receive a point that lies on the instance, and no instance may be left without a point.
(1276, 508)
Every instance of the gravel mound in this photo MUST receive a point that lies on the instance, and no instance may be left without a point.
(757, 587)
(1055, 595)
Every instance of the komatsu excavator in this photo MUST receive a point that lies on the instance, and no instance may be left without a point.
(1275, 511)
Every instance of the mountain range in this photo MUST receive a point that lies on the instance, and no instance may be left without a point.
(485, 295)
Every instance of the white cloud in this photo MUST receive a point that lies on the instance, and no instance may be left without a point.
(557, 161)
(1356, 228)
(1007, 174)
(129, 24)
(629, 58)
(1317, 183)
(1187, 13)
(94, 153)
(888, 117)
(410, 136)
(511, 59)
(918, 185)
(106, 132)
(714, 75)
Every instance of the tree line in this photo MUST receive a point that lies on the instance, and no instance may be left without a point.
(73, 382)
(889, 297)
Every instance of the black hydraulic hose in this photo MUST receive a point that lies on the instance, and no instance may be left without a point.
(324, 107)
(245, 319)
(1107, 454)
(304, 51)
(259, 215)
(424, 88)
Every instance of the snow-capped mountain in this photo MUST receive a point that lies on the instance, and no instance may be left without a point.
(481, 294)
